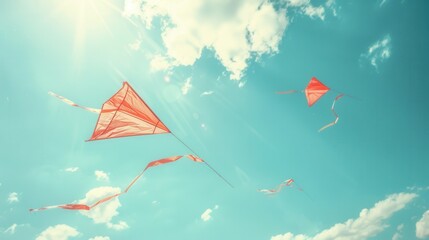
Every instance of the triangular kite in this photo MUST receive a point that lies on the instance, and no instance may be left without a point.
(314, 91)
(125, 114)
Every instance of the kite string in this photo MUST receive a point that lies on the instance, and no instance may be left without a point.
(302, 190)
(208, 165)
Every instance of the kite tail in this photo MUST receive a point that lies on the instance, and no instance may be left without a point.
(63, 206)
(108, 198)
(286, 183)
(302, 190)
(335, 114)
(71, 103)
(208, 165)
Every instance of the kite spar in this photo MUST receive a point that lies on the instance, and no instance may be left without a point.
(313, 92)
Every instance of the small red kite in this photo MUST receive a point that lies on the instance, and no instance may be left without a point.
(313, 92)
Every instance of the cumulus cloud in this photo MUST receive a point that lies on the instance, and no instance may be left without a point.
(11, 229)
(369, 223)
(122, 225)
(72, 169)
(398, 234)
(160, 63)
(313, 11)
(422, 226)
(101, 176)
(131, 7)
(100, 238)
(103, 213)
(13, 197)
(310, 10)
(186, 86)
(206, 214)
(233, 29)
(330, 4)
(58, 232)
(379, 51)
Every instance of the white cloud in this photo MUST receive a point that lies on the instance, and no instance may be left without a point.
(13, 197)
(422, 226)
(104, 212)
(160, 63)
(72, 169)
(99, 238)
(11, 229)
(308, 9)
(101, 176)
(398, 234)
(206, 93)
(58, 232)
(313, 12)
(369, 223)
(131, 7)
(266, 39)
(330, 4)
(223, 26)
(379, 51)
(241, 84)
(297, 3)
(206, 214)
(186, 86)
(122, 225)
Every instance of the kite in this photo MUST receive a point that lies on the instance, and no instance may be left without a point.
(125, 114)
(83, 207)
(286, 183)
(313, 92)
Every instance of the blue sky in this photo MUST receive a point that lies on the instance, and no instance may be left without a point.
(210, 70)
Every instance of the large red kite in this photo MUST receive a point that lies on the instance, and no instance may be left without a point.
(125, 114)
(313, 92)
